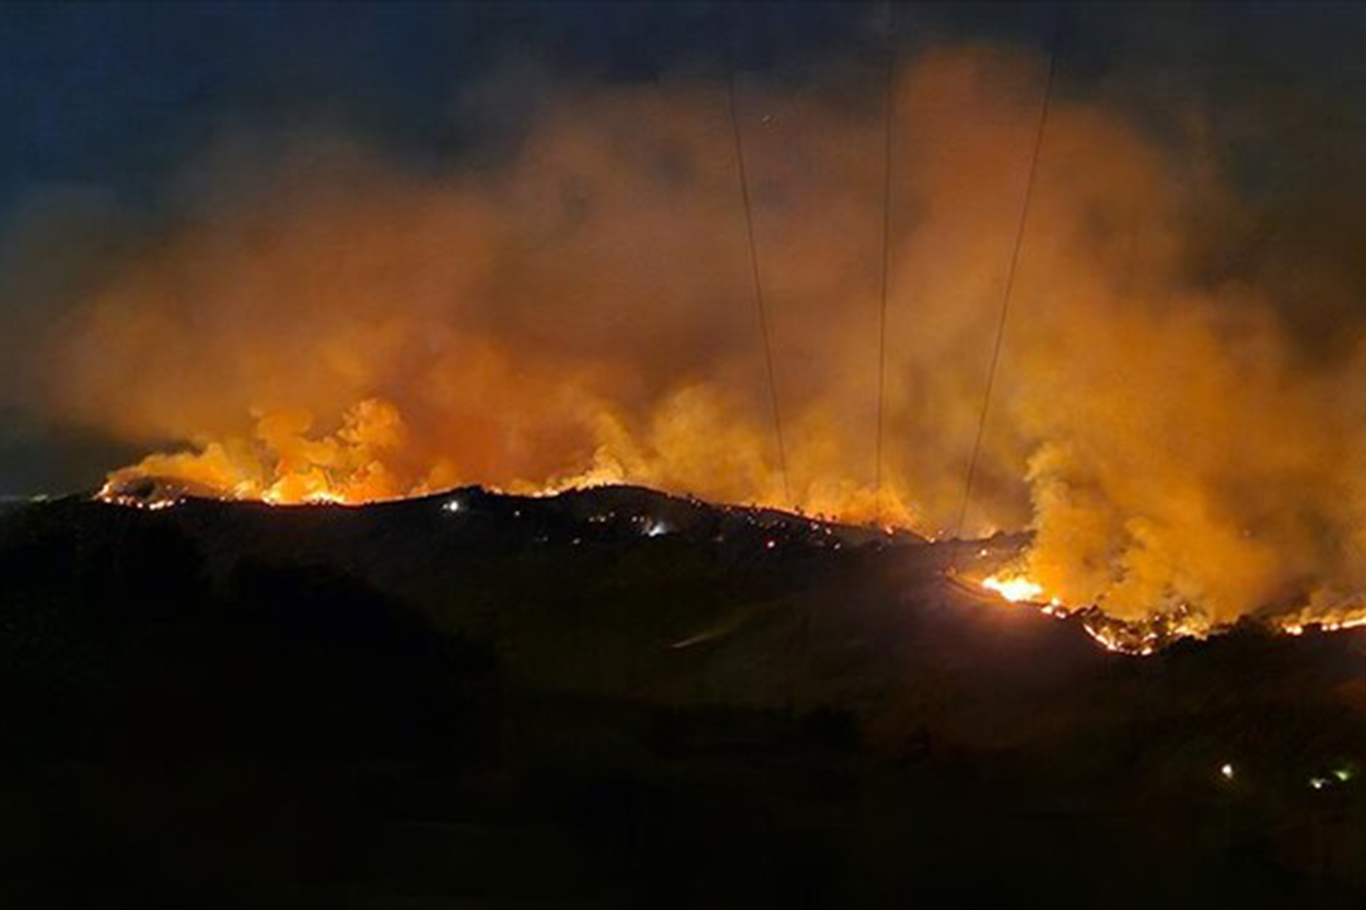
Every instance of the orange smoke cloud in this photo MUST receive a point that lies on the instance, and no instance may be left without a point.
(337, 329)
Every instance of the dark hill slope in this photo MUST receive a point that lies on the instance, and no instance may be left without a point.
(617, 698)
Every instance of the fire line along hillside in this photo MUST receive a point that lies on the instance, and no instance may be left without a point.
(630, 699)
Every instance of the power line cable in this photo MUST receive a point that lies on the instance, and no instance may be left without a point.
(754, 271)
(889, 101)
(1009, 287)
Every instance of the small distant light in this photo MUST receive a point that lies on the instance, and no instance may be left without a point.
(656, 529)
(1317, 783)
(1226, 770)
(452, 505)
(770, 544)
(1343, 774)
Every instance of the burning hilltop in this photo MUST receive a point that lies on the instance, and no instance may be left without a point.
(282, 464)
(335, 328)
(610, 514)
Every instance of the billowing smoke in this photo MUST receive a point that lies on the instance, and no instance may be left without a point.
(319, 323)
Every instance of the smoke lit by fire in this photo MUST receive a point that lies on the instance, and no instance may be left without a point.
(319, 325)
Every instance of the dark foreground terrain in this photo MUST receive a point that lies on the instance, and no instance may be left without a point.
(616, 699)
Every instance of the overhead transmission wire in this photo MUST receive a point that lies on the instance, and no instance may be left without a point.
(755, 273)
(889, 113)
(1009, 285)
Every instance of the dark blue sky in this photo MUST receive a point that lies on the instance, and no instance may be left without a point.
(118, 95)
(115, 99)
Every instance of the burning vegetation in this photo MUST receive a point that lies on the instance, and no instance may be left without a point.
(1149, 634)
(1138, 637)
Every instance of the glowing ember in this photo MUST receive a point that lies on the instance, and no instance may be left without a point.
(150, 499)
(150, 505)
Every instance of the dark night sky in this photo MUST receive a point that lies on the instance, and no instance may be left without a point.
(108, 102)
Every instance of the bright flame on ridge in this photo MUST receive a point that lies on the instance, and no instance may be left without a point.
(1017, 589)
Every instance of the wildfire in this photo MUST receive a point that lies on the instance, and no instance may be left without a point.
(318, 496)
(1017, 589)
(1300, 624)
(1139, 638)
(147, 497)
(154, 505)
(1147, 636)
